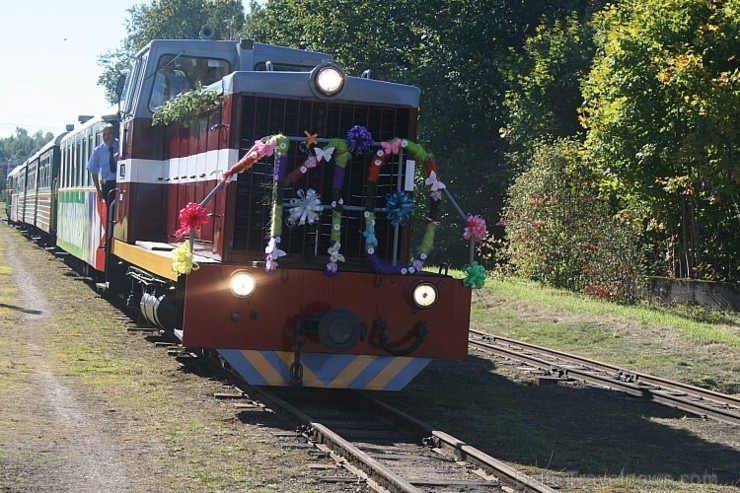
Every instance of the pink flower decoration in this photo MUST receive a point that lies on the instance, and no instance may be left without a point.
(476, 228)
(265, 149)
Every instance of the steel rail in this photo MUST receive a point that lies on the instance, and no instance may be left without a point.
(361, 464)
(490, 465)
(380, 477)
(702, 402)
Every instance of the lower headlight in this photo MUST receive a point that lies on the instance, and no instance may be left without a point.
(242, 284)
(425, 295)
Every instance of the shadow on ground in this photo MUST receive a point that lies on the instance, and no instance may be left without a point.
(582, 431)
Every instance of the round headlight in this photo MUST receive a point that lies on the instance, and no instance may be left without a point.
(327, 79)
(242, 284)
(425, 295)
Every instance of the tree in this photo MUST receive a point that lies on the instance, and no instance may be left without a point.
(663, 113)
(453, 50)
(562, 233)
(168, 19)
(16, 149)
(544, 77)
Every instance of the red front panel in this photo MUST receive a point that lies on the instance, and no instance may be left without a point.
(140, 212)
(214, 318)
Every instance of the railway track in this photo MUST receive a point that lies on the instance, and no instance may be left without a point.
(372, 443)
(561, 366)
(387, 449)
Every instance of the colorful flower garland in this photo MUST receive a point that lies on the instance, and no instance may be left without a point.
(272, 250)
(398, 207)
(307, 207)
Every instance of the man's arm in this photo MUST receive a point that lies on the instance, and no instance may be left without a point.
(97, 186)
(93, 169)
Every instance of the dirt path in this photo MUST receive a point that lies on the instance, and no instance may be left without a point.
(87, 406)
(74, 440)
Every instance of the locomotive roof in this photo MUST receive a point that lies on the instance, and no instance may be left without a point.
(265, 70)
(296, 84)
(243, 55)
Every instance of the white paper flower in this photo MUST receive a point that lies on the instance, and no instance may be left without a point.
(305, 208)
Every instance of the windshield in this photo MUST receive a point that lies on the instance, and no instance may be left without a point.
(177, 74)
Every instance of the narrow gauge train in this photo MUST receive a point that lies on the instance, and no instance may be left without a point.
(297, 270)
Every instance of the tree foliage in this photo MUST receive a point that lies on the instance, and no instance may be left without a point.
(454, 50)
(662, 112)
(543, 93)
(17, 148)
(560, 232)
(168, 19)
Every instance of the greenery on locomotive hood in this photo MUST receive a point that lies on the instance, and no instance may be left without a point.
(185, 107)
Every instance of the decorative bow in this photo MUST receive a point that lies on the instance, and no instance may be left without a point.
(359, 139)
(475, 276)
(182, 260)
(476, 228)
(324, 154)
(400, 206)
(192, 217)
(305, 208)
(392, 147)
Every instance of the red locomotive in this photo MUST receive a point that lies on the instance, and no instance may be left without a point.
(273, 222)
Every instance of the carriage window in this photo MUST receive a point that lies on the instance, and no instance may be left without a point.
(75, 161)
(44, 173)
(91, 145)
(67, 179)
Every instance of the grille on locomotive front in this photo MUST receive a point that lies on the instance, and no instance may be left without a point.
(306, 243)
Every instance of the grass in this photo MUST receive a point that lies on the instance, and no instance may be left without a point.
(587, 439)
(156, 404)
(688, 344)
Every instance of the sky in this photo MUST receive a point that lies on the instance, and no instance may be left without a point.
(48, 60)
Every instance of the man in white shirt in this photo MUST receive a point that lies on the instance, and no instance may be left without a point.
(103, 164)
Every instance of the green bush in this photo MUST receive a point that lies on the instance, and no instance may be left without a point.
(560, 232)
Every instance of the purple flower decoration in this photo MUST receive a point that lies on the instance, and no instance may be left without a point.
(359, 140)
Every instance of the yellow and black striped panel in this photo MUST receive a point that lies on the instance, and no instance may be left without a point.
(323, 370)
